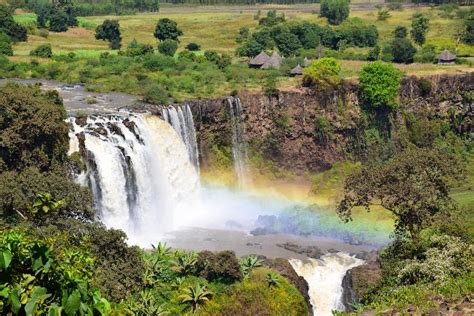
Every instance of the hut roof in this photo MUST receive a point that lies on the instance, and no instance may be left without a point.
(298, 70)
(446, 56)
(260, 59)
(306, 62)
(273, 62)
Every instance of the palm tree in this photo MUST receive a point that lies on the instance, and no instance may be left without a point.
(273, 279)
(249, 263)
(196, 296)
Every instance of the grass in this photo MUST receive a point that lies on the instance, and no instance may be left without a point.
(217, 30)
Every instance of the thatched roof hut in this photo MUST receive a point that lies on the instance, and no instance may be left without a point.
(274, 62)
(297, 71)
(446, 57)
(259, 60)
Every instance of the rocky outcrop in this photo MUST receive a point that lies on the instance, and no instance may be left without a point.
(283, 267)
(303, 131)
(357, 280)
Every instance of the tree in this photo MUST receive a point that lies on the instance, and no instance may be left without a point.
(414, 186)
(167, 29)
(288, 44)
(322, 74)
(15, 31)
(250, 48)
(400, 32)
(468, 32)
(419, 28)
(58, 21)
(43, 51)
(168, 47)
(335, 11)
(109, 31)
(403, 50)
(378, 84)
(196, 295)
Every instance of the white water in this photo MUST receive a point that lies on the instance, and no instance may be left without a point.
(324, 277)
(181, 118)
(139, 183)
(238, 145)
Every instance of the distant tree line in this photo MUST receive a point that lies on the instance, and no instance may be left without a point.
(92, 7)
(237, 2)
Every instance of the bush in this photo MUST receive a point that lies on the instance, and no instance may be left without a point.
(6, 48)
(168, 47)
(40, 276)
(378, 84)
(8, 25)
(221, 266)
(335, 11)
(403, 50)
(44, 51)
(193, 47)
(322, 74)
(43, 33)
(426, 55)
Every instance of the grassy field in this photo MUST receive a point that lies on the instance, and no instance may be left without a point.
(217, 30)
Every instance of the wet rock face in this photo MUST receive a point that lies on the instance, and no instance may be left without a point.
(283, 267)
(357, 280)
(302, 131)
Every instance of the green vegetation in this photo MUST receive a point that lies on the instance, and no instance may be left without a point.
(335, 10)
(54, 259)
(322, 74)
(419, 28)
(167, 29)
(8, 25)
(168, 47)
(378, 84)
(43, 51)
(109, 31)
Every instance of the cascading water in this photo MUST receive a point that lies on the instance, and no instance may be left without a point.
(324, 277)
(238, 144)
(181, 118)
(138, 170)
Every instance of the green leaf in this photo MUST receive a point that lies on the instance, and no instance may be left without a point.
(15, 301)
(73, 303)
(38, 297)
(102, 306)
(55, 310)
(5, 259)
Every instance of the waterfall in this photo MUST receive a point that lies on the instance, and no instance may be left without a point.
(181, 118)
(138, 170)
(238, 145)
(324, 277)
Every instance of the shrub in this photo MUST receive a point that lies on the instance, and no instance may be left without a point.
(6, 48)
(378, 84)
(287, 43)
(43, 33)
(222, 266)
(322, 74)
(335, 11)
(383, 14)
(44, 51)
(403, 50)
(426, 55)
(193, 47)
(168, 47)
(39, 277)
(8, 25)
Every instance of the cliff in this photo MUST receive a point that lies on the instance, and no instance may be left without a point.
(303, 131)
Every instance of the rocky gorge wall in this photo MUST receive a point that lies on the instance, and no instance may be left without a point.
(303, 131)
